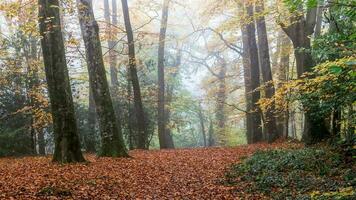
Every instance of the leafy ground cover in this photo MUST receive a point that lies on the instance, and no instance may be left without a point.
(308, 173)
(157, 174)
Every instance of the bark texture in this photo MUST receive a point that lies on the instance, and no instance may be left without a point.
(112, 143)
(254, 76)
(90, 135)
(67, 145)
(270, 127)
(247, 82)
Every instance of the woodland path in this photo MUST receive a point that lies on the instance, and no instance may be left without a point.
(155, 174)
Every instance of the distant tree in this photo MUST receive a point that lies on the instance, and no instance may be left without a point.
(170, 88)
(211, 140)
(165, 139)
(139, 111)
(221, 96)
(202, 124)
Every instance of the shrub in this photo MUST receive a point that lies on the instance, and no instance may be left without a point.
(293, 174)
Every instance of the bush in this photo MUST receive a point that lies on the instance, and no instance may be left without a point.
(294, 174)
(17, 143)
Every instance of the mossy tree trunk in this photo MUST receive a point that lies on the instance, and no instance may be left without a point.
(111, 137)
(67, 145)
(90, 135)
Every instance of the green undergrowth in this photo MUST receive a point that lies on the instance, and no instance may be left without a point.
(309, 173)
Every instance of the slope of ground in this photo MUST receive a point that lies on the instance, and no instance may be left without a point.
(165, 174)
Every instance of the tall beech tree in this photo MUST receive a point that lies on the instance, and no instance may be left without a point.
(67, 145)
(247, 83)
(139, 111)
(254, 77)
(163, 134)
(112, 140)
(299, 31)
(270, 126)
(246, 63)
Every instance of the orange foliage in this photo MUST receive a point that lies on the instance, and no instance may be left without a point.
(165, 174)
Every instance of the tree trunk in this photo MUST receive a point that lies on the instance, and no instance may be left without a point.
(247, 82)
(211, 141)
(202, 125)
(170, 91)
(140, 115)
(163, 134)
(132, 133)
(319, 19)
(41, 142)
(256, 135)
(111, 35)
(111, 43)
(32, 85)
(168, 133)
(265, 65)
(220, 105)
(90, 135)
(67, 145)
(112, 141)
(282, 74)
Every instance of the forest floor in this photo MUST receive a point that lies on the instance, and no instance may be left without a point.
(156, 174)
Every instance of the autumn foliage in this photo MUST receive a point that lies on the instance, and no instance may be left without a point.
(164, 174)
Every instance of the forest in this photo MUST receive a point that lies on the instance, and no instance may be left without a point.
(169, 99)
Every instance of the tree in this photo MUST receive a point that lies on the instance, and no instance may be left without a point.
(265, 66)
(202, 124)
(112, 141)
(170, 87)
(110, 26)
(140, 115)
(211, 140)
(254, 77)
(89, 138)
(299, 31)
(221, 97)
(163, 134)
(67, 145)
(282, 77)
(247, 82)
